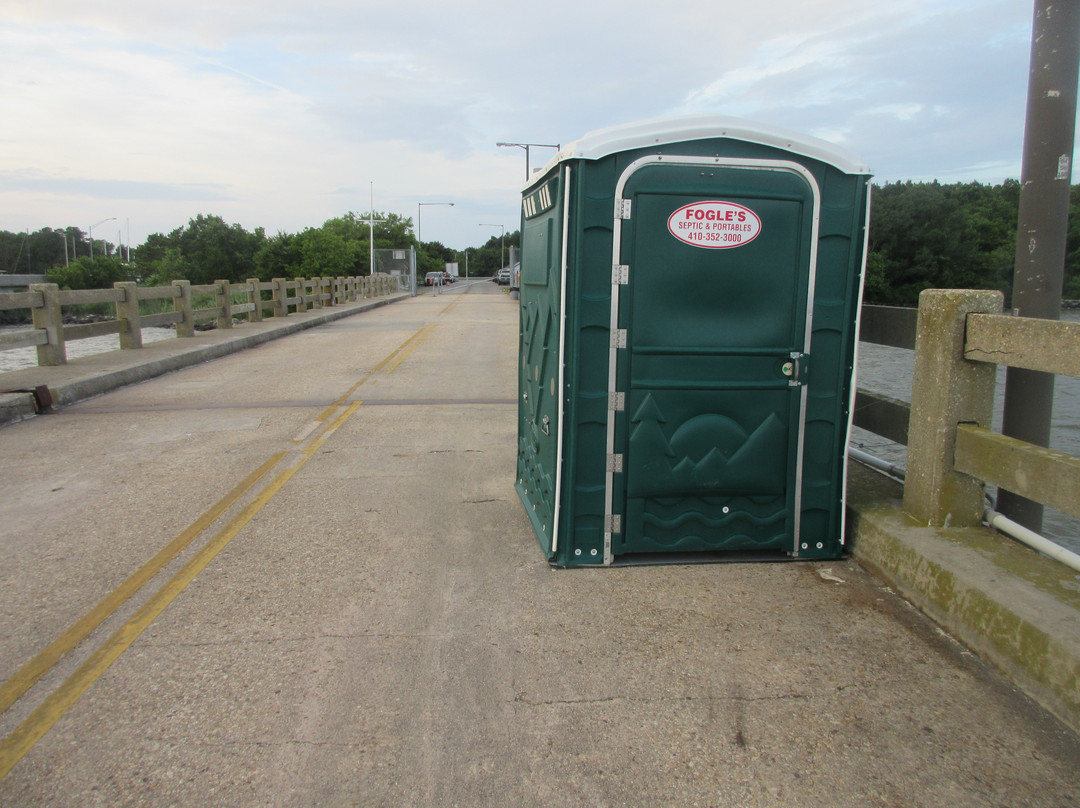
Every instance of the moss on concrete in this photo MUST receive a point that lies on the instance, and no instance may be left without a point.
(1018, 609)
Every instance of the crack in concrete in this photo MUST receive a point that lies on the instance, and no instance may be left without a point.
(661, 699)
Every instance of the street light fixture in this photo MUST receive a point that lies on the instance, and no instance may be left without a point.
(526, 147)
(502, 252)
(110, 219)
(419, 207)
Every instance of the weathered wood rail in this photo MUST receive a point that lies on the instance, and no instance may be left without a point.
(959, 337)
(253, 298)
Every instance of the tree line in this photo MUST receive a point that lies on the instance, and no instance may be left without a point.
(922, 235)
(925, 235)
(209, 249)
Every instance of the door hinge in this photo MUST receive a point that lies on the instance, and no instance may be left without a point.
(613, 523)
(622, 208)
(618, 338)
(620, 274)
(614, 462)
(617, 402)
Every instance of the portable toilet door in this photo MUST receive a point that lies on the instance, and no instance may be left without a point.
(731, 319)
(715, 321)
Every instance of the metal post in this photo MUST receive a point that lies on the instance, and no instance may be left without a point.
(1044, 208)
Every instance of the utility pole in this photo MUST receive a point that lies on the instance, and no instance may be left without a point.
(1045, 179)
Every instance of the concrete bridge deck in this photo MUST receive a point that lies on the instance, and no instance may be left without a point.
(338, 601)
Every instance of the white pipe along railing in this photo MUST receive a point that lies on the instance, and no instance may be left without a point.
(993, 519)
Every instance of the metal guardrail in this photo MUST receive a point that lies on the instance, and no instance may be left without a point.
(895, 327)
(49, 334)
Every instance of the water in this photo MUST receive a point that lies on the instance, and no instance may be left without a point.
(889, 370)
(27, 357)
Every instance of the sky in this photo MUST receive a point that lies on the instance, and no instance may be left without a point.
(134, 117)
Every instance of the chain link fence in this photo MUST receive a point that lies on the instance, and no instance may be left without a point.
(399, 264)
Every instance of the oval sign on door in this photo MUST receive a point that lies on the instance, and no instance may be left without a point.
(714, 224)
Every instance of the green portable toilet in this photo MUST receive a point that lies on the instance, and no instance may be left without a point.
(690, 292)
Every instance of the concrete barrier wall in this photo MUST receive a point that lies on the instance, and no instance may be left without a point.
(252, 299)
(1017, 608)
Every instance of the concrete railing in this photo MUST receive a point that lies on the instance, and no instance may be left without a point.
(962, 337)
(959, 337)
(252, 298)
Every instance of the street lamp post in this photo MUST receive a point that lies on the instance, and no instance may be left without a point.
(502, 252)
(371, 229)
(419, 208)
(110, 219)
(526, 147)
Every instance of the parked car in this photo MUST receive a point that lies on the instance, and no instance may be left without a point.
(432, 278)
(448, 278)
(503, 277)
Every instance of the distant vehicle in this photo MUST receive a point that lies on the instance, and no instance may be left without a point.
(432, 278)
(503, 277)
(448, 278)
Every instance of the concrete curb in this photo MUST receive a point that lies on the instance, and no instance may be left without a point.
(16, 407)
(91, 376)
(1016, 608)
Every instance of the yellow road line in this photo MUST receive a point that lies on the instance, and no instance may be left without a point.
(329, 411)
(420, 338)
(16, 745)
(19, 742)
(13, 689)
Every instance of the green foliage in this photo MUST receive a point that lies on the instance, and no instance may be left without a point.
(213, 250)
(38, 252)
(324, 253)
(1072, 247)
(278, 257)
(928, 235)
(922, 235)
(433, 257)
(485, 261)
(83, 273)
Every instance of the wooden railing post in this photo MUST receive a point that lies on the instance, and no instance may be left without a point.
(255, 297)
(127, 312)
(182, 304)
(50, 318)
(946, 390)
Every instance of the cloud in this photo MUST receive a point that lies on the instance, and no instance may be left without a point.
(280, 115)
(29, 182)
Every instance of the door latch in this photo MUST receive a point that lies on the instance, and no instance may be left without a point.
(795, 369)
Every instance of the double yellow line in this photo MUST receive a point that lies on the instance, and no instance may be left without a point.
(34, 727)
